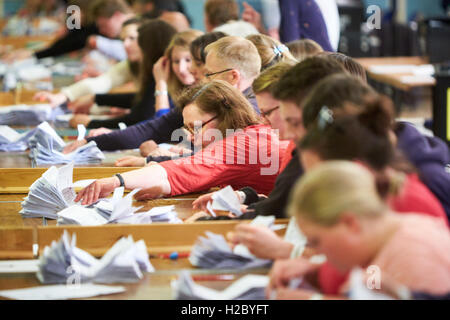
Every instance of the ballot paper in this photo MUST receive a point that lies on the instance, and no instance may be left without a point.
(25, 115)
(213, 252)
(61, 292)
(49, 194)
(63, 262)
(46, 148)
(225, 200)
(11, 140)
(249, 287)
(117, 209)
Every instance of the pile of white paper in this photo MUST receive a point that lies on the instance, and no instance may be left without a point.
(213, 252)
(25, 115)
(50, 193)
(61, 292)
(249, 287)
(117, 209)
(30, 115)
(46, 148)
(11, 140)
(225, 200)
(63, 262)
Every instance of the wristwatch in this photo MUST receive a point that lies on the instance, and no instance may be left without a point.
(122, 182)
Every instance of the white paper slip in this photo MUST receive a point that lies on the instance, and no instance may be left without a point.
(122, 126)
(225, 200)
(250, 287)
(19, 266)
(81, 132)
(418, 79)
(61, 292)
(393, 69)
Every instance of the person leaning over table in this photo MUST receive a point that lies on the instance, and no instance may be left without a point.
(249, 155)
(355, 228)
(232, 59)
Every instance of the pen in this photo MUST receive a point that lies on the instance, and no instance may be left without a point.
(214, 277)
(173, 255)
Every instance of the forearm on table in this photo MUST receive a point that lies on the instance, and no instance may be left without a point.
(148, 177)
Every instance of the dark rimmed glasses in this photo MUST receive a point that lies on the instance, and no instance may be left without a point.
(207, 75)
(197, 129)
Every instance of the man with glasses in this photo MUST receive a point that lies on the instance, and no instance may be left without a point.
(232, 59)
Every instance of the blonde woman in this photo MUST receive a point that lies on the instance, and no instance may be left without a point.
(340, 212)
(271, 51)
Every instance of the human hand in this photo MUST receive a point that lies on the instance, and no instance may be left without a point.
(77, 119)
(92, 42)
(261, 241)
(283, 271)
(54, 99)
(98, 132)
(130, 161)
(161, 70)
(82, 104)
(98, 189)
(74, 146)
(147, 147)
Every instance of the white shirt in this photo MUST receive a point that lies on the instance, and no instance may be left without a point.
(330, 14)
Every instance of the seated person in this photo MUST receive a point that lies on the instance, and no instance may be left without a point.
(234, 148)
(354, 228)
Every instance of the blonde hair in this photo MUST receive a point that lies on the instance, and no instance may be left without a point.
(325, 193)
(218, 97)
(237, 53)
(269, 77)
(270, 50)
(304, 48)
(182, 40)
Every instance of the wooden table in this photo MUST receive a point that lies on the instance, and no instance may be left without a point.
(395, 79)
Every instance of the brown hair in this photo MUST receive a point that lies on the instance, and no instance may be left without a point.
(198, 46)
(183, 40)
(304, 48)
(269, 77)
(107, 8)
(270, 50)
(219, 12)
(334, 91)
(301, 78)
(351, 65)
(237, 53)
(154, 37)
(220, 98)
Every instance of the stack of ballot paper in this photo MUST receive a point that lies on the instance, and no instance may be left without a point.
(63, 262)
(25, 115)
(250, 287)
(225, 200)
(50, 193)
(29, 115)
(11, 140)
(46, 148)
(213, 252)
(117, 209)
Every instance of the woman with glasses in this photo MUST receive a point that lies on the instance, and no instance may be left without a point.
(235, 149)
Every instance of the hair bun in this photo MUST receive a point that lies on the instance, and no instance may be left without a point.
(378, 115)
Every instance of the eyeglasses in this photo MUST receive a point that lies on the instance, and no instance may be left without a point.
(269, 112)
(197, 129)
(218, 72)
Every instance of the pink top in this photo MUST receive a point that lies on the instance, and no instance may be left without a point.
(249, 157)
(418, 255)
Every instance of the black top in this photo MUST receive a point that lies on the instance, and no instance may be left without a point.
(120, 100)
(277, 201)
(73, 40)
(140, 111)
